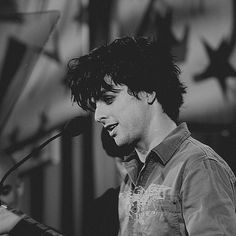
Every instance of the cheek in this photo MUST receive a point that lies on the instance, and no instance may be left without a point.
(8, 199)
(131, 114)
(132, 126)
(136, 117)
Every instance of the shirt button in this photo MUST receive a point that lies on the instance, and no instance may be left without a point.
(134, 207)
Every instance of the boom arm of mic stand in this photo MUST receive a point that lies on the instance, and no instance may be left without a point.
(35, 150)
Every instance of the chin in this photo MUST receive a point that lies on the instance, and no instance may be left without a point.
(120, 142)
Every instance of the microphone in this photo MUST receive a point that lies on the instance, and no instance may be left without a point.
(72, 128)
(75, 126)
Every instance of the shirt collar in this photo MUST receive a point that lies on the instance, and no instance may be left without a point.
(171, 143)
(165, 150)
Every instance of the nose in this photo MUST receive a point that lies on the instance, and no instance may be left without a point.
(99, 114)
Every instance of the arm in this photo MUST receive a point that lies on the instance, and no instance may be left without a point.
(8, 220)
(17, 225)
(28, 226)
(208, 199)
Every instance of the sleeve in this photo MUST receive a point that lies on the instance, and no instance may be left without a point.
(28, 227)
(208, 199)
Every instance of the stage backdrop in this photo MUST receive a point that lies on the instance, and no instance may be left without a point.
(202, 34)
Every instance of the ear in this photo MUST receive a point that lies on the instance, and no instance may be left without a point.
(151, 97)
(20, 188)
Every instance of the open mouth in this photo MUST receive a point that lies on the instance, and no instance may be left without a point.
(111, 127)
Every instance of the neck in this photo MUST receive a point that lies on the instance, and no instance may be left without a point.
(156, 133)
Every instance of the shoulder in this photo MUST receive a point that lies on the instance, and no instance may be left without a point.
(195, 154)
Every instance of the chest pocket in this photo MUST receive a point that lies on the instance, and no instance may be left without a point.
(158, 211)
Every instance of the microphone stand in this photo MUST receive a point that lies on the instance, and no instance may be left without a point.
(35, 150)
(71, 129)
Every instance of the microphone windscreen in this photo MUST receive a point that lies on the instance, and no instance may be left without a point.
(75, 126)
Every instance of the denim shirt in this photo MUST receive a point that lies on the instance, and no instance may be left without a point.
(183, 188)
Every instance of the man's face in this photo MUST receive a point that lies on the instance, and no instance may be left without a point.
(123, 115)
(10, 191)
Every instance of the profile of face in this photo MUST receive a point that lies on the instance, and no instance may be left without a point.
(10, 192)
(124, 116)
(12, 188)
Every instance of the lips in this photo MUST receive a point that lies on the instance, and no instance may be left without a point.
(111, 127)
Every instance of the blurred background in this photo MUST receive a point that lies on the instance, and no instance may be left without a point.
(38, 37)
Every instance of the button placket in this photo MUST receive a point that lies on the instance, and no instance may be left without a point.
(145, 172)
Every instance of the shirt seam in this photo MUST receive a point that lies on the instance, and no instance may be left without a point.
(177, 146)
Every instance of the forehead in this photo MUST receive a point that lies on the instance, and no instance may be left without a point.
(12, 180)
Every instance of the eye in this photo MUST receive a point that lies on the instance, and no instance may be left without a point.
(108, 99)
(6, 190)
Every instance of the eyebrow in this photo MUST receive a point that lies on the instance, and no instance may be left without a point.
(112, 90)
(104, 92)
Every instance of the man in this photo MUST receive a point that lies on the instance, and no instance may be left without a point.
(10, 215)
(13, 186)
(175, 185)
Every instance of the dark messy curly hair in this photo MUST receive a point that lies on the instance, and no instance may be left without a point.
(140, 63)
